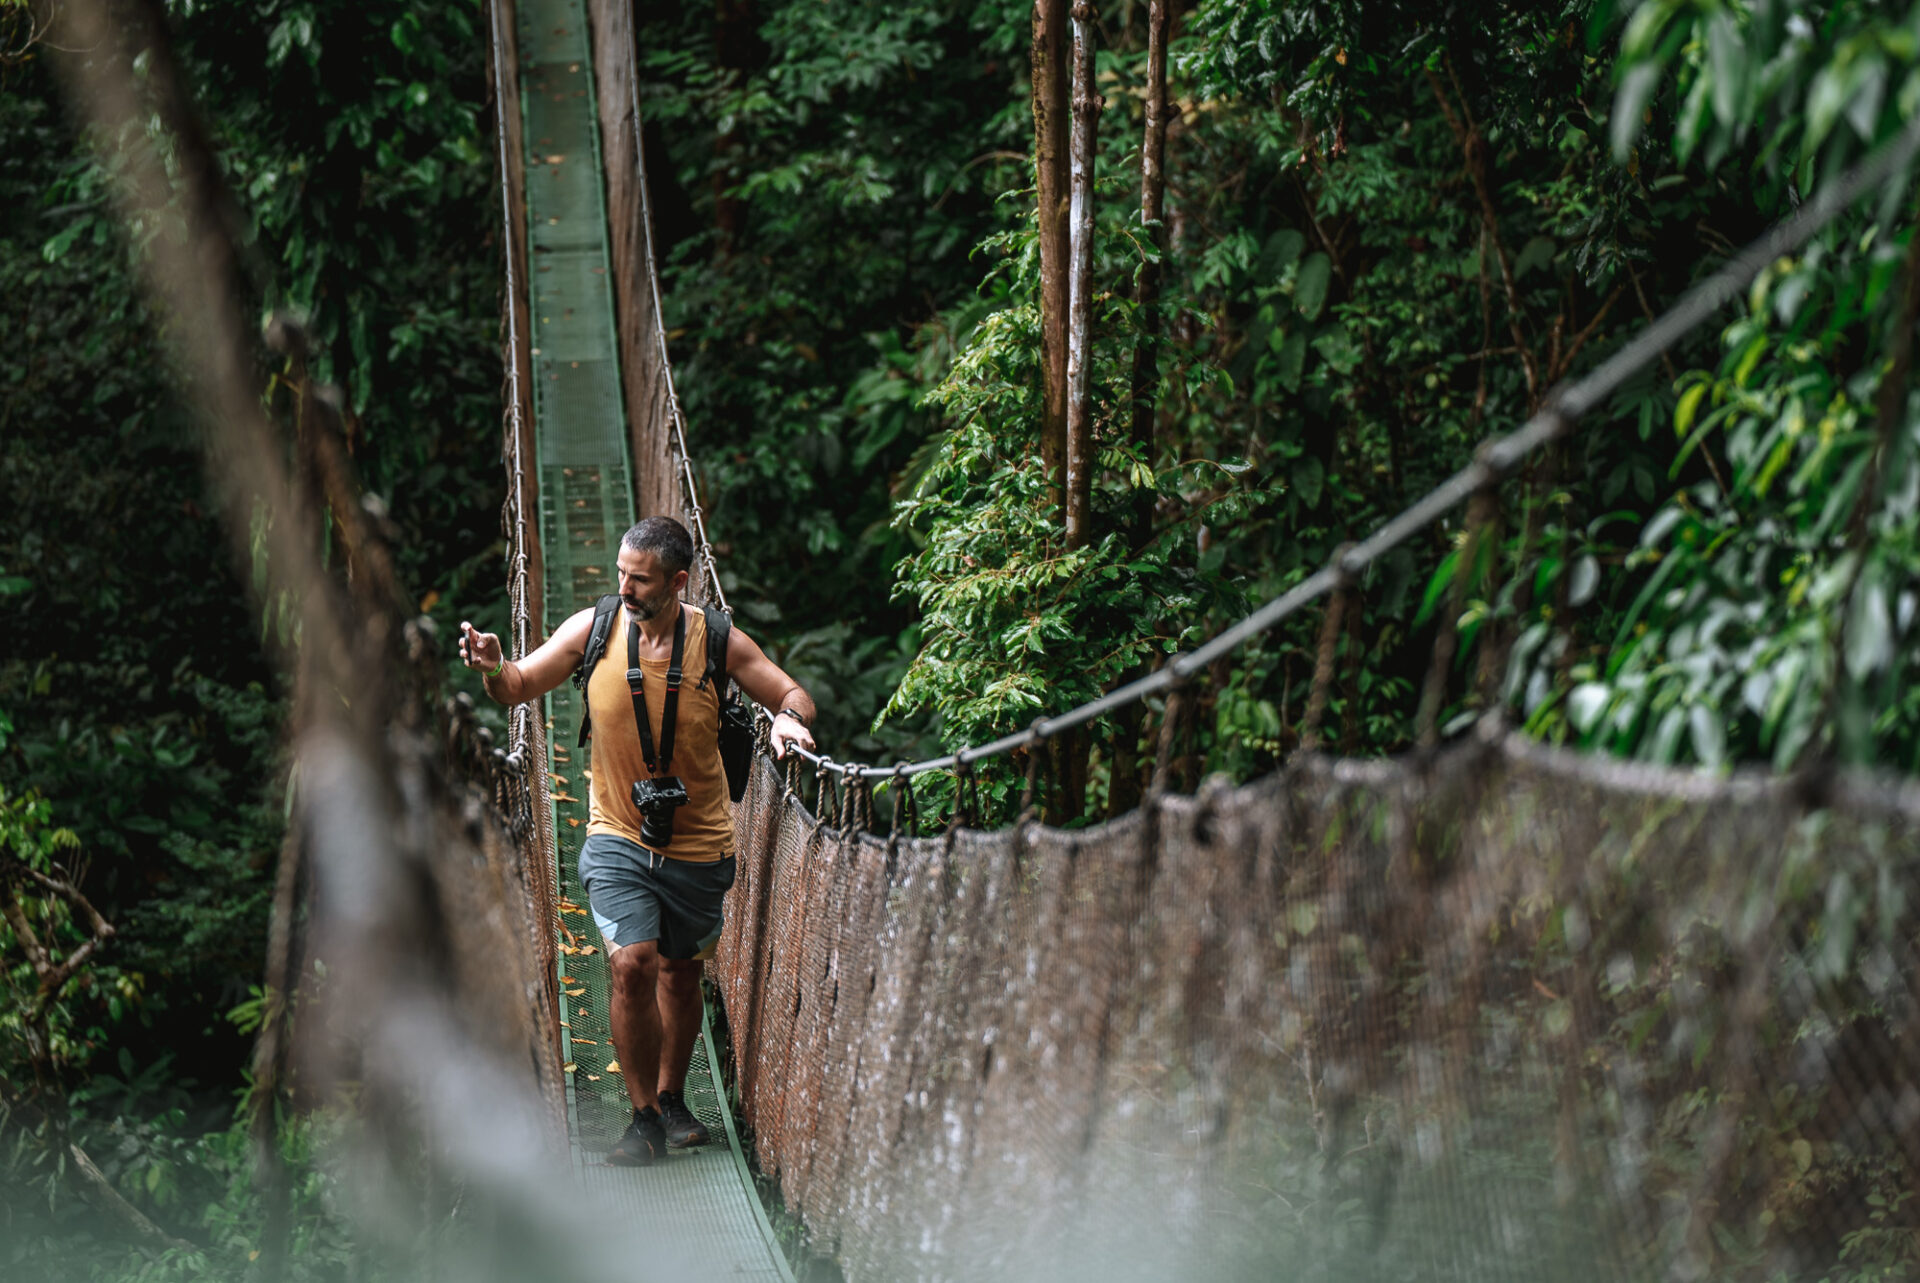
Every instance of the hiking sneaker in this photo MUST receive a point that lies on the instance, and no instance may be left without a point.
(683, 1130)
(644, 1142)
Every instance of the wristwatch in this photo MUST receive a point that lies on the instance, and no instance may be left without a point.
(794, 713)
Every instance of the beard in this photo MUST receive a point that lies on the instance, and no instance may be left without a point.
(643, 609)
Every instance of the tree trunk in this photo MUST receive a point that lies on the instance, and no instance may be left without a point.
(1086, 123)
(1146, 286)
(737, 50)
(1050, 85)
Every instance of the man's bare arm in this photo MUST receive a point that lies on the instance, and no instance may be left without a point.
(769, 686)
(518, 681)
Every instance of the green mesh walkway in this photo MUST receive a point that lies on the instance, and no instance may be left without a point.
(700, 1203)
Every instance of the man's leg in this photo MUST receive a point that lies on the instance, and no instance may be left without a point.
(679, 1020)
(637, 977)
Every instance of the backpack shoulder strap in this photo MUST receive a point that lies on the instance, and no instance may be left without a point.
(603, 611)
(719, 630)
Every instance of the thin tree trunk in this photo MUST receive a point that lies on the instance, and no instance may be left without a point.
(1146, 286)
(1086, 125)
(1050, 87)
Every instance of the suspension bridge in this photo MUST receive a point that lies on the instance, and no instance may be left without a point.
(1492, 1011)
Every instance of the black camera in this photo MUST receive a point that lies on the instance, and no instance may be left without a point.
(656, 800)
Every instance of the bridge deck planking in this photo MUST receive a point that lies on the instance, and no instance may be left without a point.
(700, 1205)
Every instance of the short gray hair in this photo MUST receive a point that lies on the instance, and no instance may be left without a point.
(665, 539)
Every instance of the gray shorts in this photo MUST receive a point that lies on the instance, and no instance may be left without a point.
(638, 896)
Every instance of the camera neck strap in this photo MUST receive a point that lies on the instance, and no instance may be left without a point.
(636, 683)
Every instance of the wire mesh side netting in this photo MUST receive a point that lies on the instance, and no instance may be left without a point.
(1512, 1015)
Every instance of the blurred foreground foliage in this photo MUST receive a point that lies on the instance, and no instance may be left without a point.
(136, 703)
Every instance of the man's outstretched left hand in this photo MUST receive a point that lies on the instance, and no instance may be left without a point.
(789, 731)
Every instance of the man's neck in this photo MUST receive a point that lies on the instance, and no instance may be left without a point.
(659, 629)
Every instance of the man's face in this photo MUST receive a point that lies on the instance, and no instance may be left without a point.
(644, 588)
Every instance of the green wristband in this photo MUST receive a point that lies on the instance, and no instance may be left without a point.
(498, 670)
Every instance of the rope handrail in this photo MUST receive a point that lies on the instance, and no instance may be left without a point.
(676, 421)
(520, 716)
(1494, 460)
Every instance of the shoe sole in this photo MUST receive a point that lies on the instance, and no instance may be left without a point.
(691, 1142)
(618, 1157)
(625, 1160)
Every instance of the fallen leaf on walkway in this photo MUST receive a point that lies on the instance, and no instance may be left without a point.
(588, 1041)
(573, 822)
(613, 1066)
(575, 993)
(568, 1068)
(593, 1078)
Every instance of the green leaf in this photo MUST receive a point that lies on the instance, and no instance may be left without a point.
(1310, 286)
(1708, 735)
(1666, 739)
(1282, 251)
(61, 243)
(1867, 88)
(1870, 637)
(1537, 252)
(1750, 359)
(1586, 578)
(1630, 104)
(1693, 120)
(1587, 705)
(1437, 587)
(1727, 62)
(1661, 526)
(1309, 480)
(1338, 348)
(1292, 361)
(1689, 405)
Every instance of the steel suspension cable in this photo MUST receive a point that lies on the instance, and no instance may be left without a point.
(676, 421)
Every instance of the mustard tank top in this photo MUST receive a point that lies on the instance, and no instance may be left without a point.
(702, 829)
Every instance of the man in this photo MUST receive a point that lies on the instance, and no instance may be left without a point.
(654, 880)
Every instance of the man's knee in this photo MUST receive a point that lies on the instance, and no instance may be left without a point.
(680, 976)
(635, 967)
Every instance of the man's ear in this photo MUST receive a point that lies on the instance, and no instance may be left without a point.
(680, 578)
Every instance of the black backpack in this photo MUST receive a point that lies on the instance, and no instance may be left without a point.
(736, 724)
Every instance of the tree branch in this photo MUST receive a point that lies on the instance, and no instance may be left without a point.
(1473, 151)
(109, 1198)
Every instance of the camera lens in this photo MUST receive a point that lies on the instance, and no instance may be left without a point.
(657, 829)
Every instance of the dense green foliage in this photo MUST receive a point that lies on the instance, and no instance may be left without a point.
(1770, 612)
(1391, 231)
